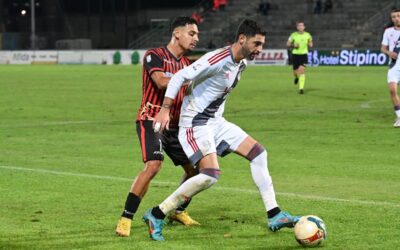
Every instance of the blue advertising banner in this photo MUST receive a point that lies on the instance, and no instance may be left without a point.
(347, 57)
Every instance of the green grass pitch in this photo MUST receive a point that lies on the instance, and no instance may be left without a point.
(69, 152)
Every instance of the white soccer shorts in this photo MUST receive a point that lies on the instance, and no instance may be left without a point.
(393, 75)
(221, 137)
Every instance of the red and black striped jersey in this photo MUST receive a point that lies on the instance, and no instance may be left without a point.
(160, 59)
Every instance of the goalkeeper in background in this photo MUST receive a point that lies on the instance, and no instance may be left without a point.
(299, 41)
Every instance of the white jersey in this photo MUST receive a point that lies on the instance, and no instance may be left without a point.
(212, 78)
(391, 38)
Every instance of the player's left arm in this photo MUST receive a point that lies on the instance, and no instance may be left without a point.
(310, 42)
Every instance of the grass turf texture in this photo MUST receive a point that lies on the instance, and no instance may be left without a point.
(69, 150)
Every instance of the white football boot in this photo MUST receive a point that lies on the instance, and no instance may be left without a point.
(397, 123)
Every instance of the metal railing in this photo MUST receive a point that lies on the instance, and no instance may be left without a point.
(159, 30)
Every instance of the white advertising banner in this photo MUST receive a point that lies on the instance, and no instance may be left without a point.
(20, 57)
(4, 57)
(271, 57)
(44, 57)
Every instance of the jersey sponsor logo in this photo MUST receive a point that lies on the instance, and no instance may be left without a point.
(167, 61)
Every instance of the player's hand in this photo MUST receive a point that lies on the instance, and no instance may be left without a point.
(393, 55)
(296, 45)
(161, 121)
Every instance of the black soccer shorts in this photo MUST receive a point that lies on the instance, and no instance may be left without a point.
(299, 60)
(154, 145)
(173, 148)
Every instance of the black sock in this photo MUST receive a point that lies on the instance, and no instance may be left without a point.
(156, 212)
(183, 207)
(131, 205)
(271, 213)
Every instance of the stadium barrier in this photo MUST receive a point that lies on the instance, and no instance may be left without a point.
(279, 57)
(271, 57)
(67, 56)
(266, 57)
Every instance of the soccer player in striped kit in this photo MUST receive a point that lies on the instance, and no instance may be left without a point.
(204, 133)
(391, 47)
(159, 65)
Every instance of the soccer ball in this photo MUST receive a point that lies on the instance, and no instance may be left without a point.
(310, 230)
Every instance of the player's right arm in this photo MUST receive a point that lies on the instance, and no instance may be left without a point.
(385, 46)
(289, 42)
(199, 69)
(391, 54)
(160, 79)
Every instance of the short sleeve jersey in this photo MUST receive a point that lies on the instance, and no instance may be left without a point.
(212, 78)
(302, 40)
(160, 59)
(391, 38)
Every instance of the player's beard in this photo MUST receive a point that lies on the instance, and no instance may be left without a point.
(247, 53)
(251, 55)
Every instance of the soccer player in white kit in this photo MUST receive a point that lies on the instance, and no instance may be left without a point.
(391, 47)
(204, 133)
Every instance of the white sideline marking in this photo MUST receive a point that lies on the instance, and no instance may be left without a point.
(243, 190)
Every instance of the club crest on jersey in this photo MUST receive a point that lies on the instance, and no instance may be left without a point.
(148, 58)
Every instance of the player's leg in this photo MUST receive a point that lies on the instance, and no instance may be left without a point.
(231, 138)
(208, 175)
(205, 158)
(296, 78)
(302, 78)
(295, 62)
(173, 149)
(152, 156)
(181, 215)
(257, 155)
(396, 102)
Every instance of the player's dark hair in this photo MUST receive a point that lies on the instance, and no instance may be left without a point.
(249, 28)
(394, 10)
(181, 21)
(299, 21)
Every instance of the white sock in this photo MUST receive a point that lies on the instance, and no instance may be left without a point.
(188, 189)
(261, 177)
(397, 113)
